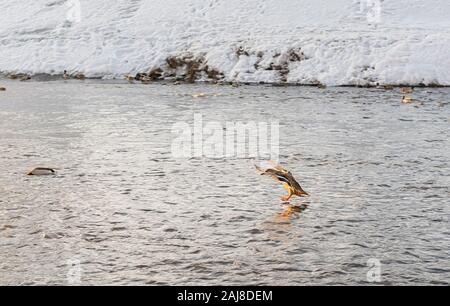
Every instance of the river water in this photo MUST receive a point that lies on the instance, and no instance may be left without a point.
(123, 210)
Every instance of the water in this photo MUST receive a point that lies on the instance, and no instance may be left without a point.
(122, 210)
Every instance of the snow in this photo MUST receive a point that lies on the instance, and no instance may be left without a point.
(333, 42)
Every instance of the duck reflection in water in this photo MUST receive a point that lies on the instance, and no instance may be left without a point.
(291, 211)
(280, 227)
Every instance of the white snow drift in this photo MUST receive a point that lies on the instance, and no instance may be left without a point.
(334, 42)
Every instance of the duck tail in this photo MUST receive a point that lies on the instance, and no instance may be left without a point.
(301, 192)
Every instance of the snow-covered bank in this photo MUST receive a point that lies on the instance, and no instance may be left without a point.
(334, 42)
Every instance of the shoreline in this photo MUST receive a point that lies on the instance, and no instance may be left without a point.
(43, 77)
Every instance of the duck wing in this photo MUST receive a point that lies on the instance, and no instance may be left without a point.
(278, 167)
(277, 175)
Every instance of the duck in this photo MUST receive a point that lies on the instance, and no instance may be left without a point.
(42, 171)
(286, 178)
(407, 99)
(66, 76)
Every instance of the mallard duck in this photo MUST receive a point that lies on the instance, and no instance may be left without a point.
(286, 178)
(42, 171)
(407, 99)
(66, 76)
(406, 90)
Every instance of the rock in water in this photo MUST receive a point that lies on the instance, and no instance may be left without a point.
(42, 171)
